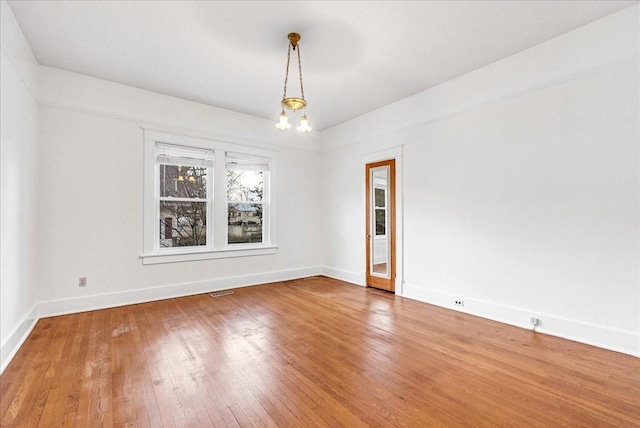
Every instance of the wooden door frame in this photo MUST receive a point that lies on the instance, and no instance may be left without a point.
(374, 281)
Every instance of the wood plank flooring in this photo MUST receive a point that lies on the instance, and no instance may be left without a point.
(311, 352)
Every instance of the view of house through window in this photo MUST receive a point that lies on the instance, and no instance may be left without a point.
(183, 198)
(245, 199)
(183, 206)
(381, 211)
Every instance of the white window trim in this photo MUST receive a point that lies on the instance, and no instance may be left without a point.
(216, 248)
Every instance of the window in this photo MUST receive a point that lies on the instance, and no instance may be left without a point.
(183, 206)
(247, 209)
(205, 199)
(381, 211)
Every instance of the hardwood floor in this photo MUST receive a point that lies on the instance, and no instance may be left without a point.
(312, 352)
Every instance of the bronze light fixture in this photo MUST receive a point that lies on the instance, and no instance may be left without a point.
(292, 103)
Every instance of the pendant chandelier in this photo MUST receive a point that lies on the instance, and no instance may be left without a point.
(292, 103)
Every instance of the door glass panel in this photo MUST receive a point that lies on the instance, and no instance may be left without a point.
(381, 222)
(380, 215)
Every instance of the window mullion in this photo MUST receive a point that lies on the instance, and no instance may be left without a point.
(173, 199)
(266, 208)
(229, 201)
(219, 202)
(211, 216)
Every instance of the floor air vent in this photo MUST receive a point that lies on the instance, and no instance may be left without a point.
(221, 293)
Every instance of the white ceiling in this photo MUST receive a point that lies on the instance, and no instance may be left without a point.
(356, 56)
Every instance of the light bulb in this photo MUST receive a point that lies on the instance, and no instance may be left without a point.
(192, 178)
(284, 122)
(304, 124)
(180, 178)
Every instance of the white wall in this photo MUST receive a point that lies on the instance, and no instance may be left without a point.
(521, 187)
(91, 210)
(18, 186)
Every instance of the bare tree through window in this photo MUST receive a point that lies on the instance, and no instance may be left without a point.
(183, 206)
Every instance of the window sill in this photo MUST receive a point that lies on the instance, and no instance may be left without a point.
(154, 259)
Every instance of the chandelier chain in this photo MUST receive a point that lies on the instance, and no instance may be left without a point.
(300, 72)
(286, 75)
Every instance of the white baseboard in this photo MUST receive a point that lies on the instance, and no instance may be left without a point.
(627, 342)
(356, 278)
(344, 275)
(624, 341)
(50, 308)
(18, 335)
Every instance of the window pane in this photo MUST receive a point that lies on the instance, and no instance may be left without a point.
(245, 185)
(245, 223)
(183, 224)
(380, 199)
(381, 228)
(183, 181)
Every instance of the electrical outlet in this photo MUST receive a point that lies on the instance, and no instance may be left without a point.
(535, 321)
(82, 282)
(459, 302)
